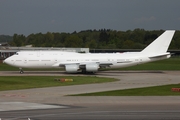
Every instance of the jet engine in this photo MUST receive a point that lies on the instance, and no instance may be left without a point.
(92, 67)
(73, 68)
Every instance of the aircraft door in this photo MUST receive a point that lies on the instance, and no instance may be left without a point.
(25, 60)
(38, 53)
(55, 60)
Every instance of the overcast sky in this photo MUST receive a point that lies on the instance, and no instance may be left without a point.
(34, 16)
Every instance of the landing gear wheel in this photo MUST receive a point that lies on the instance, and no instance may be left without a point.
(21, 71)
(84, 71)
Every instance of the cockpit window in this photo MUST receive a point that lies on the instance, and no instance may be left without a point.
(16, 54)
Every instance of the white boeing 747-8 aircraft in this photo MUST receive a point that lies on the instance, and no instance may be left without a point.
(91, 62)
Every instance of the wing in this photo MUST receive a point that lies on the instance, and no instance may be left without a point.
(84, 66)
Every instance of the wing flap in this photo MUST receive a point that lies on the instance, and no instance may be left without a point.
(63, 64)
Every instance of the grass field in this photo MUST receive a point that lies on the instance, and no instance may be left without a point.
(168, 64)
(148, 91)
(26, 82)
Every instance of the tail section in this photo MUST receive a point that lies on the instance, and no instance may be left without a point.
(161, 44)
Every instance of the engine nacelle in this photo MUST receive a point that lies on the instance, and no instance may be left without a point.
(72, 68)
(92, 67)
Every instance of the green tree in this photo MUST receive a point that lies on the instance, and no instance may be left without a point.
(73, 41)
(128, 44)
(49, 39)
(91, 44)
(18, 40)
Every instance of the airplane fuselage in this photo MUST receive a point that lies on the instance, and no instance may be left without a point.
(50, 59)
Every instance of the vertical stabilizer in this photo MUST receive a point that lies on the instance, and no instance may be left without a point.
(161, 44)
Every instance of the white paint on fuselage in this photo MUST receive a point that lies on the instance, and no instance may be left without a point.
(49, 59)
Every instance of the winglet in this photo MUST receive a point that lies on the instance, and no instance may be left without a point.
(161, 44)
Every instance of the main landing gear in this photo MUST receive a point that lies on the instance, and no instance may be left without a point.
(21, 71)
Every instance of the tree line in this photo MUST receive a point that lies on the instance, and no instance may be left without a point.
(5, 38)
(94, 39)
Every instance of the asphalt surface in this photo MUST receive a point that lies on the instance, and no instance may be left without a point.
(53, 104)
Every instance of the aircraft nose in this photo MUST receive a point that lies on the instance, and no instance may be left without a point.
(7, 61)
(4, 61)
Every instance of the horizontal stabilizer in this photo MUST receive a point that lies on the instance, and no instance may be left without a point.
(160, 55)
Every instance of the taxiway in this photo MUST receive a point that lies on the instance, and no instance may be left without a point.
(53, 104)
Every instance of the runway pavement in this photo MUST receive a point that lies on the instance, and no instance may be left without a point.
(52, 104)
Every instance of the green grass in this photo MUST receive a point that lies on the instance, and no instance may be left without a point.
(5, 67)
(26, 82)
(168, 64)
(148, 91)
